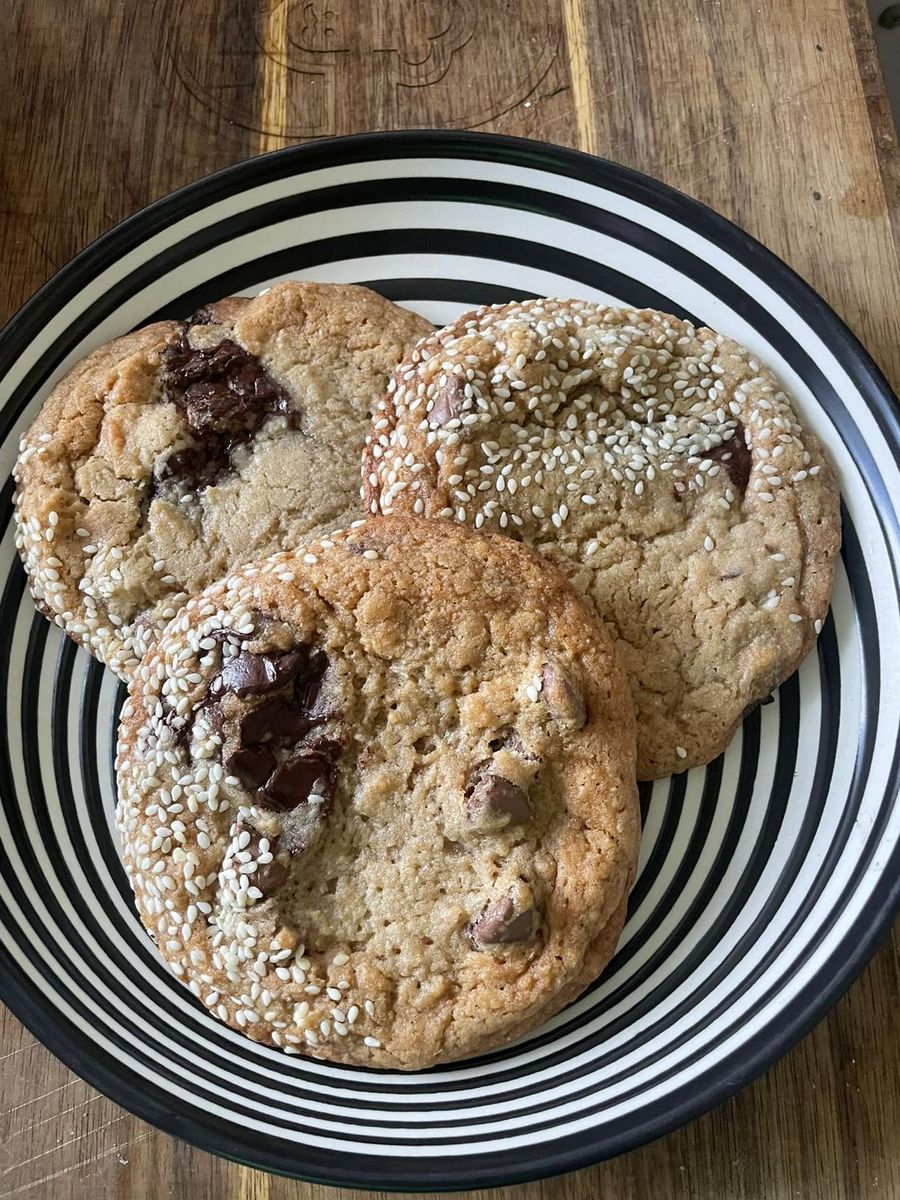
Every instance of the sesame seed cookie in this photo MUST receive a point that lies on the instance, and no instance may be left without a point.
(658, 464)
(377, 796)
(171, 455)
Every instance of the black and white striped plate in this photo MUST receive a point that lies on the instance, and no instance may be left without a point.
(766, 878)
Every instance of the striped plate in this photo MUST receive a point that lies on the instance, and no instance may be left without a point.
(766, 878)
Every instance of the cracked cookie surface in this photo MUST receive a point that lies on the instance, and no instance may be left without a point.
(659, 465)
(377, 796)
(171, 455)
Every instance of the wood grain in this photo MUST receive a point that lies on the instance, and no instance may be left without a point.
(774, 113)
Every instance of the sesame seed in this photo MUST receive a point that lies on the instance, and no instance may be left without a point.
(795, 617)
(681, 752)
(373, 1042)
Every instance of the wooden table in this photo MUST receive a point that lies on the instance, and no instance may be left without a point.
(773, 112)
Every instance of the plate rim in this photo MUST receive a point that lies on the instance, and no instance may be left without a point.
(874, 922)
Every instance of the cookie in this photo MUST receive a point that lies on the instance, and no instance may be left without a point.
(377, 797)
(659, 465)
(172, 454)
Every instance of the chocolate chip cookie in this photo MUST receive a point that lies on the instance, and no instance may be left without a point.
(659, 465)
(174, 453)
(377, 796)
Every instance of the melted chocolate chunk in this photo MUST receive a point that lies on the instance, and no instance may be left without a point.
(493, 800)
(268, 877)
(448, 402)
(246, 674)
(215, 718)
(499, 922)
(181, 729)
(276, 720)
(252, 767)
(317, 691)
(735, 457)
(256, 674)
(562, 695)
(508, 739)
(225, 394)
(222, 389)
(201, 464)
(296, 780)
(319, 741)
(280, 755)
(288, 666)
(203, 316)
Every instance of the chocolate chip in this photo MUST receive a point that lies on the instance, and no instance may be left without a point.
(215, 718)
(201, 464)
(317, 693)
(246, 674)
(270, 876)
(735, 457)
(292, 722)
(294, 781)
(288, 666)
(181, 729)
(225, 394)
(499, 923)
(508, 739)
(252, 767)
(319, 742)
(203, 316)
(495, 800)
(249, 674)
(562, 695)
(276, 720)
(448, 402)
(222, 387)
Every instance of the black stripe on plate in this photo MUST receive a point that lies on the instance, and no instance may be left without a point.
(246, 278)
